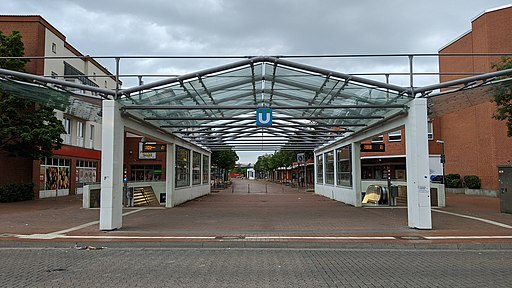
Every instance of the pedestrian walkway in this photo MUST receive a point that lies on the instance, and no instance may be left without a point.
(258, 211)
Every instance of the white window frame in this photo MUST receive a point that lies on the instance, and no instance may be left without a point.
(397, 136)
(66, 136)
(378, 139)
(80, 131)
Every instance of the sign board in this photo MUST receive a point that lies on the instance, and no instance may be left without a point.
(373, 147)
(146, 155)
(264, 117)
(301, 157)
(147, 147)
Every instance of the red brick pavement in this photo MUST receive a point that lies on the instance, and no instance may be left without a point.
(282, 211)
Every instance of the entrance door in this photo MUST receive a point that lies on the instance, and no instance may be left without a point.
(505, 179)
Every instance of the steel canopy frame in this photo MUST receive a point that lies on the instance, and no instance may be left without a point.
(312, 104)
(302, 95)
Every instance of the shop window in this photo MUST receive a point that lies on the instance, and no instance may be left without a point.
(196, 168)
(56, 173)
(395, 136)
(146, 173)
(329, 167)
(54, 48)
(344, 166)
(206, 169)
(378, 139)
(85, 172)
(320, 169)
(182, 167)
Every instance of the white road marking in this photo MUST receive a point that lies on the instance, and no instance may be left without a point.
(57, 234)
(466, 237)
(475, 218)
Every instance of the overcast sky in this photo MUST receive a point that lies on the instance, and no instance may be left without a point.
(263, 27)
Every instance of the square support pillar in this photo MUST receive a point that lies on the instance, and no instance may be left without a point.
(418, 181)
(170, 174)
(111, 210)
(356, 173)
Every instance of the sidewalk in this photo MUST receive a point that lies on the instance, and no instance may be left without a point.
(258, 211)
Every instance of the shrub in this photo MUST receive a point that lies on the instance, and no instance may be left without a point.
(472, 181)
(17, 192)
(453, 180)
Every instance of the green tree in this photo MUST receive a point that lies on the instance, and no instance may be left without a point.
(26, 129)
(502, 96)
(224, 160)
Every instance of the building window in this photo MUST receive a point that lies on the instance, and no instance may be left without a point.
(196, 168)
(54, 75)
(66, 137)
(85, 172)
(182, 167)
(320, 169)
(430, 130)
(80, 133)
(378, 139)
(206, 169)
(344, 166)
(329, 167)
(395, 136)
(145, 173)
(91, 137)
(55, 172)
(54, 48)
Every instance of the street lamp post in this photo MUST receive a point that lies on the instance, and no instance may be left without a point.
(443, 159)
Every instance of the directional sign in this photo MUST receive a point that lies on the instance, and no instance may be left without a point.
(154, 147)
(301, 157)
(264, 117)
(372, 147)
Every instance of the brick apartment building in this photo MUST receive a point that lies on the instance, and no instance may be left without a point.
(79, 159)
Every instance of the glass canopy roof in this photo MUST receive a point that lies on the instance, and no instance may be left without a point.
(216, 108)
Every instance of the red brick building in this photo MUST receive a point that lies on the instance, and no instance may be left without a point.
(78, 161)
(475, 143)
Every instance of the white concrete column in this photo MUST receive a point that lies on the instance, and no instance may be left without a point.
(170, 174)
(111, 211)
(356, 173)
(418, 182)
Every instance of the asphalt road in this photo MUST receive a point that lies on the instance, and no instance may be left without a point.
(152, 267)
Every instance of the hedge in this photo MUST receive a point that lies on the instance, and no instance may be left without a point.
(453, 181)
(17, 192)
(472, 181)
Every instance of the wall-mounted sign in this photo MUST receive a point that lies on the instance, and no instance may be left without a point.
(373, 147)
(146, 155)
(301, 157)
(147, 147)
(264, 117)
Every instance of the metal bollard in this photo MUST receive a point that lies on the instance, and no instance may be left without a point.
(266, 189)
(233, 188)
(248, 188)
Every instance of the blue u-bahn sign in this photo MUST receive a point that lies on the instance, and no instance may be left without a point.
(264, 117)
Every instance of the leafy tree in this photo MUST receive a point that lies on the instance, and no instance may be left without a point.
(26, 129)
(502, 96)
(225, 160)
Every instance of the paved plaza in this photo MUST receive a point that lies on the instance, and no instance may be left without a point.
(257, 214)
(149, 267)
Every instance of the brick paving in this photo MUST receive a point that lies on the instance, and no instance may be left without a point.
(123, 267)
(268, 210)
